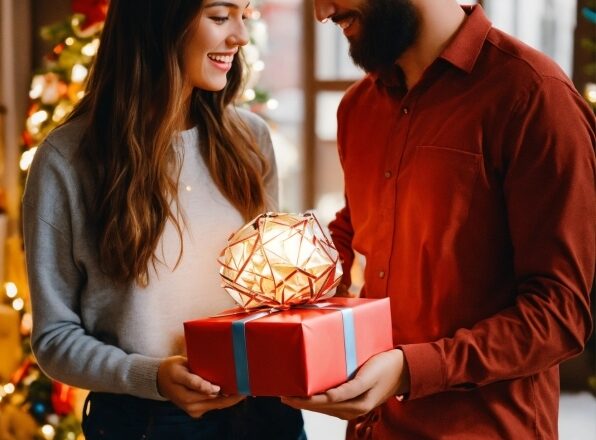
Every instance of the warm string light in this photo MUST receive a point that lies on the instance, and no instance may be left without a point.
(90, 49)
(11, 289)
(272, 104)
(48, 431)
(590, 93)
(12, 293)
(26, 324)
(27, 158)
(3, 392)
(250, 94)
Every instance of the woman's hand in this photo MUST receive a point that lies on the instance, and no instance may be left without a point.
(188, 391)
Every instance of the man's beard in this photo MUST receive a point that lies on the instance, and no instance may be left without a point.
(387, 29)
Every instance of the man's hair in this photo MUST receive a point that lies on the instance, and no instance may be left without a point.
(133, 111)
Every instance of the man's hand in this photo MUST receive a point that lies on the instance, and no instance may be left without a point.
(381, 377)
(188, 391)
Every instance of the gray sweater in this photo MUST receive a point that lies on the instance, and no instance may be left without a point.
(89, 332)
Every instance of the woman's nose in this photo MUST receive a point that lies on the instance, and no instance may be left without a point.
(240, 36)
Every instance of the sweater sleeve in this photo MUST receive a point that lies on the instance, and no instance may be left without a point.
(550, 194)
(64, 348)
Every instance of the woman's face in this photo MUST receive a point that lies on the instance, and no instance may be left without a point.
(215, 37)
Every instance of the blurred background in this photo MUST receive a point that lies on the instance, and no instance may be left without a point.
(300, 69)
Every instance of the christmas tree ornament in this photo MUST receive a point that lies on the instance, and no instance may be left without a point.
(63, 398)
(94, 11)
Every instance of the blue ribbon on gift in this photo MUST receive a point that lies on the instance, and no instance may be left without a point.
(240, 356)
(239, 343)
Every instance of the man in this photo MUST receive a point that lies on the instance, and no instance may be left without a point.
(469, 178)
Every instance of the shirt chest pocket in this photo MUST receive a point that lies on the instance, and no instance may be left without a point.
(438, 185)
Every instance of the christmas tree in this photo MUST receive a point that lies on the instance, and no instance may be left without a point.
(32, 406)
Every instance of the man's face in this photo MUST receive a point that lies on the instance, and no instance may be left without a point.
(379, 31)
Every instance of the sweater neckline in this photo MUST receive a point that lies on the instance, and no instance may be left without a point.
(186, 138)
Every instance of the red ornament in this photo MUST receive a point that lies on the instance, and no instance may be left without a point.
(58, 48)
(63, 397)
(95, 11)
(18, 375)
(27, 139)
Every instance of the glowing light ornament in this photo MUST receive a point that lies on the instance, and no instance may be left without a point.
(279, 260)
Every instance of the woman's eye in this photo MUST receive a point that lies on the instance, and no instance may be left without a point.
(219, 20)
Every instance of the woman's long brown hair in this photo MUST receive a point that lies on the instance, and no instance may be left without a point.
(133, 111)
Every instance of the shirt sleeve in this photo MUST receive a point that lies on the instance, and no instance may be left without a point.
(341, 233)
(549, 191)
(65, 350)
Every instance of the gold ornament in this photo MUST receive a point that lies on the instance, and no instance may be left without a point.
(10, 342)
(280, 260)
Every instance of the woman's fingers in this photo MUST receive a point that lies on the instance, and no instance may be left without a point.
(198, 409)
(176, 383)
(197, 383)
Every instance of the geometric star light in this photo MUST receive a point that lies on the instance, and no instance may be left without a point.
(279, 260)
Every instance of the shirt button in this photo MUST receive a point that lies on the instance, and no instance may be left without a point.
(381, 274)
(387, 174)
(405, 110)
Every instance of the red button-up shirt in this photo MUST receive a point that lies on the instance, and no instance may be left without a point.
(472, 197)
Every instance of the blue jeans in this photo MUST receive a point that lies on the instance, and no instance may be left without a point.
(124, 417)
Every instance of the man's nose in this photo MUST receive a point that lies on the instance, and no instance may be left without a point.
(323, 9)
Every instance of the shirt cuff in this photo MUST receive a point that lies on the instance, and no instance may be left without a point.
(426, 367)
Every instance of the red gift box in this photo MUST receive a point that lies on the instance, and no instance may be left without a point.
(297, 352)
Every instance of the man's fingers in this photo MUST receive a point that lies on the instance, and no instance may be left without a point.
(343, 410)
(349, 390)
(314, 403)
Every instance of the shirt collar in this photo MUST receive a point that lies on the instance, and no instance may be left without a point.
(462, 51)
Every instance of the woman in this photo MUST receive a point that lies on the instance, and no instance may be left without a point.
(125, 210)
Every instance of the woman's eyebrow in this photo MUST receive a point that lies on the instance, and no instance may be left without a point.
(225, 4)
